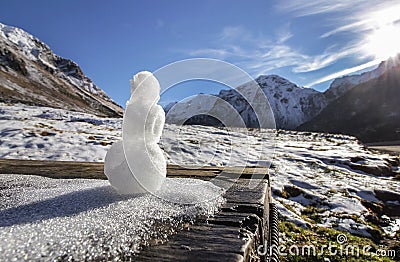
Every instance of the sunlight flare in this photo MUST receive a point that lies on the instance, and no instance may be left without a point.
(384, 41)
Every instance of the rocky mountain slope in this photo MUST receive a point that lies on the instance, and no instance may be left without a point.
(369, 110)
(31, 73)
(292, 105)
(343, 84)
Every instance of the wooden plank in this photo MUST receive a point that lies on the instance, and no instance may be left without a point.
(94, 170)
(233, 234)
(53, 169)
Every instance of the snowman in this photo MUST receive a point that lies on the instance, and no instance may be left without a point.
(137, 164)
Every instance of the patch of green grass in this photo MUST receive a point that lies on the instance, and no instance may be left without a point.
(332, 191)
(345, 192)
(335, 171)
(288, 207)
(313, 213)
(319, 237)
(353, 217)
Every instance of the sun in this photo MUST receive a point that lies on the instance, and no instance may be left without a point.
(384, 42)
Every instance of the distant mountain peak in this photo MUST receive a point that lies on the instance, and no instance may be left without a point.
(23, 40)
(273, 81)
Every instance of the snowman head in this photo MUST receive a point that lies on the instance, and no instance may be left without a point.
(145, 88)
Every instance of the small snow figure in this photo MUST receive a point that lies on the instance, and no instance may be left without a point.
(137, 164)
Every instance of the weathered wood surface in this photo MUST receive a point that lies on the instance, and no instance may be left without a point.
(95, 170)
(233, 234)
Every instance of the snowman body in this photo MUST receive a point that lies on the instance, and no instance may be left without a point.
(137, 164)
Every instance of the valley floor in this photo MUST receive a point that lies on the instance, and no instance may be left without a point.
(322, 183)
(390, 149)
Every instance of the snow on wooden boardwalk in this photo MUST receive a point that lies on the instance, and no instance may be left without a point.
(232, 234)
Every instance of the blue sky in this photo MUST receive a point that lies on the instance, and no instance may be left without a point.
(307, 42)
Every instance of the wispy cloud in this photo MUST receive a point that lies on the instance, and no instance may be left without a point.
(302, 8)
(344, 72)
(327, 58)
(260, 54)
(284, 36)
(351, 16)
(366, 20)
(233, 32)
(220, 53)
(345, 28)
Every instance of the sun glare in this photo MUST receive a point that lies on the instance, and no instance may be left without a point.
(384, 41)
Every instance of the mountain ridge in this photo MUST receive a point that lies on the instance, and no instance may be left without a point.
(369, 110)
(293, 106)
(341, 85)
(31, 73)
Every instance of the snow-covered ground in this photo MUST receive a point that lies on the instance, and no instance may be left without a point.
(43, 219)
(316, 178)
(29, 132)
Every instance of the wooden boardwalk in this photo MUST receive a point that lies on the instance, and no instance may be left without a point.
(233, 234)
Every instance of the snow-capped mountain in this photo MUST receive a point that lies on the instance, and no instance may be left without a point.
(343, 84)
(31, 73)
(292, 105)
